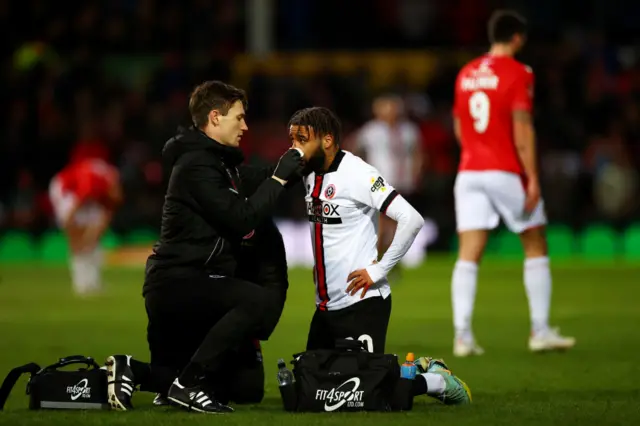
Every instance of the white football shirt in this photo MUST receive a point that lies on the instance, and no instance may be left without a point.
(392, 150)
(343, 205)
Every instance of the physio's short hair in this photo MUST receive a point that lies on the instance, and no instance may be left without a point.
(212, 95)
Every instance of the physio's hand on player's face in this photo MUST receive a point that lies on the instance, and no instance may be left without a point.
(357, 280)
(290, 165)
(532, 196)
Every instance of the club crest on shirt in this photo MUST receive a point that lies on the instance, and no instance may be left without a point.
(330, 191)
(378, 184)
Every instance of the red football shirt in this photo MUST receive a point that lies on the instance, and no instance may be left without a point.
(88, 179)
(488, 90)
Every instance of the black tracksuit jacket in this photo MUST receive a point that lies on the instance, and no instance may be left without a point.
(215, 217)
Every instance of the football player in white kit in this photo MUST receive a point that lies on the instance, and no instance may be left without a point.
(344, 196)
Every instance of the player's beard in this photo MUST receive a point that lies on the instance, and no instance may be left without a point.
(315, 163)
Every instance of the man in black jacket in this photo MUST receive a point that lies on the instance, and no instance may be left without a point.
(262, 261)
(194, 300)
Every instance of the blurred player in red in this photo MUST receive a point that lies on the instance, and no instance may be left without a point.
(84, 196)
(498, 178)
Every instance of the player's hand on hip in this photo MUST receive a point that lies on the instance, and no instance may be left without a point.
(532, 196)
(359, 280)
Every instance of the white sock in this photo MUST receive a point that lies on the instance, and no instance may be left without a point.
(435, 383)
(75, 267)
(85, 271)
(80, 272)
(95, 266)
(97, 257)
(537, 281)
(463, 294)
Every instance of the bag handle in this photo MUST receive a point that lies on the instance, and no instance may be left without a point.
(73, 359)
(341, 345)
(349, 345)
(9, 382)
(360, 357)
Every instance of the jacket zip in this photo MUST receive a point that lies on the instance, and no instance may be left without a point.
(215, 248)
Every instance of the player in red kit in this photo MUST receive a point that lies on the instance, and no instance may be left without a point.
(498, 178)
(84, 196)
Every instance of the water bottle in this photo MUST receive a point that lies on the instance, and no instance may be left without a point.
(287, 387)
(408, 369)
(285, 376)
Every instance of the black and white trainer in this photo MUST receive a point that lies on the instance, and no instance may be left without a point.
(120, 382)
(160, 400)
(195, 398)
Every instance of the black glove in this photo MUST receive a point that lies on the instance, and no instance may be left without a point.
(297, 177)
(289, 166)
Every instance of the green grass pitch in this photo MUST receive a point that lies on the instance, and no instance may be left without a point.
(597, 383)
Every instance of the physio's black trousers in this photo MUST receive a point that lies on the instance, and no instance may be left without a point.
(201, 319)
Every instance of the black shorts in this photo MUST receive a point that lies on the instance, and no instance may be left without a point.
(366, 321)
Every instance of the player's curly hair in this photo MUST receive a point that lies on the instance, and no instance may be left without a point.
(504, 24)
(322, 120)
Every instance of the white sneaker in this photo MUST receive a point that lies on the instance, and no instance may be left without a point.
(550, 340)
(466, 347)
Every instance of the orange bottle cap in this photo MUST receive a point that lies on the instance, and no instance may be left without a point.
(411, 357)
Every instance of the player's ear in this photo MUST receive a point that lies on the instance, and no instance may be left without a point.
(214, 117)
(327, 141)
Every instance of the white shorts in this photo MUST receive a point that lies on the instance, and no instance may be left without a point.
(483, 197)
(62, 202)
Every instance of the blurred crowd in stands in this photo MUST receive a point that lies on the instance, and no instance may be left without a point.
(112, 79)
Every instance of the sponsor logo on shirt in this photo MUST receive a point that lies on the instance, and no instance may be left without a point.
(323, 212)
(378, 184)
